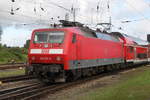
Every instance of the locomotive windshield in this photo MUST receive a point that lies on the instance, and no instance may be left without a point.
(49, 37)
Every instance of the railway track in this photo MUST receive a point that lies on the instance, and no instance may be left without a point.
(12, 66)
(35, 92)
(11, 63)
(19, 92)
(31, 91)
(52, 89)
(16, 78)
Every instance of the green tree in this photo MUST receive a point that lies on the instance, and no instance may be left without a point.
(1, 32)
(5, 46)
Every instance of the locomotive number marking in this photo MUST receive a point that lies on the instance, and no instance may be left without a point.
(45, 51)
(56, 51)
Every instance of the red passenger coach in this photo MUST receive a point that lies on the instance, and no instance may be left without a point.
(135, 50)
(72, 52)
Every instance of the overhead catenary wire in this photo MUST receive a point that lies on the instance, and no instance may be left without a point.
(140, 13)
(53, 4)
(21, 15)
(71, 10)
(134, 20)
(101, 11)
(36, 18)
(79, 16)
(103, 7)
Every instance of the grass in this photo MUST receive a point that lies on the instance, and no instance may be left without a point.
(13, 72)
(14, 53)
(136, 87)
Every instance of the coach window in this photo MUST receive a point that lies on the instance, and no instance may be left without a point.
(74, 38)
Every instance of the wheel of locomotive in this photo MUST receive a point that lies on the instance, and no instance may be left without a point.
(105, 68)
(69, 76)
(43, 78)
(46, 80)
(47, 77)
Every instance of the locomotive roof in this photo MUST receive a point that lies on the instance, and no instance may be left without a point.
(103, 35)
(87, 32)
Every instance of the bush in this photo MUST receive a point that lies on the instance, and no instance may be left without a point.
(13, 53)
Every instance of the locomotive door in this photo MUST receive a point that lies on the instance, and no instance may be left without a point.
(75, 47)
(135, 53)
(130, 55)
(76, 41)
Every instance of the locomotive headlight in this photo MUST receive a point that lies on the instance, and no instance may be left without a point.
(33, 58)
(58, 58)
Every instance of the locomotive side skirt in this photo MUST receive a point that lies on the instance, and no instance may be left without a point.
(74, 64)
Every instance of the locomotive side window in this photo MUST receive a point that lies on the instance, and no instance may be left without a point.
(142, 55)
(88, 33)
(106, 37)
(49, 37)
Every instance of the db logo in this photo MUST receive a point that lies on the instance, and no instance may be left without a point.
(45, 51)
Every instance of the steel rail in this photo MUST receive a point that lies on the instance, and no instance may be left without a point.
(16, 78)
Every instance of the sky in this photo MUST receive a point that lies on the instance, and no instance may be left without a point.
(33, 14)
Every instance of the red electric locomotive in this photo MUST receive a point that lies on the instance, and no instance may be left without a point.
(65, 53)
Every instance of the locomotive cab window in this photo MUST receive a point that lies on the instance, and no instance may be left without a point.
(49, 37)
(40, 38)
